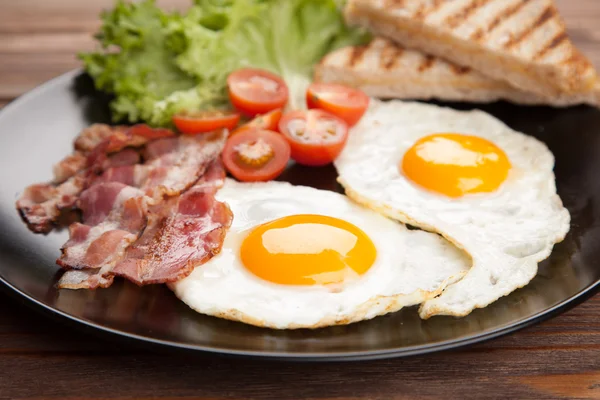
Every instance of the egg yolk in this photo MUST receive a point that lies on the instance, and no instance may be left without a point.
(454, 165)
(306, 250)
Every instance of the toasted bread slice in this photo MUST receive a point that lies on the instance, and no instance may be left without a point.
(386, 70)
(522, 42)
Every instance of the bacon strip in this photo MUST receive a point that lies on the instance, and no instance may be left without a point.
(181, 234)
(173, 172)
(41, 205)
(119, 136)
(93, 135)
(113, 216)
(69, 166)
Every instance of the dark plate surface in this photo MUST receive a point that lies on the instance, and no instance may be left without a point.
(37, 131)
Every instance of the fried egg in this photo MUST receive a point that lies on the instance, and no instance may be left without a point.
(298, 257)
(466, 175)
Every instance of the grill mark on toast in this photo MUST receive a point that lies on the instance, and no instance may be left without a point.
(419, 14)
(423, 11)
(577, 61)
(575, 57)
(477, 35)
(463, 14)
(548, 13)
(556, 40)
(505, 14)
(390, 54)
(426, 63)
(357, 54)
(459, 70)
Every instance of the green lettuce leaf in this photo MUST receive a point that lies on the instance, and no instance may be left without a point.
(135, 63)
(157, 64)
(287, 37)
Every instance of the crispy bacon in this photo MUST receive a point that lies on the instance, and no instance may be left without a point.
(135, 136)
(106, 208)
(69, 166)
(182, 233)
(158, 148)
(98, 149)
(113, 215)
(175, 242)
(41, 205)
(131, 213)
(124, 174)
(93, 278)
(93, 135)
(146, 201)
(171, 167)
(119, 136)
(124, 157)
(175, 171)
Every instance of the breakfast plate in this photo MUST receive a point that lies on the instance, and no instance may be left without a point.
(40, 126)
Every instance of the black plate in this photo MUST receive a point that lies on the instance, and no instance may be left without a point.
(37, 130)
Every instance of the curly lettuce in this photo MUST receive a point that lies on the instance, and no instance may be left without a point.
(157, 64)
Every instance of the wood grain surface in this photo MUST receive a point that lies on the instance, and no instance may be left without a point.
(41, 358)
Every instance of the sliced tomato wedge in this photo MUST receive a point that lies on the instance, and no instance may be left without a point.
(347, 103)
(268, 121)
(256, 155)
(316, 137)
(256, 91)
(205, 121)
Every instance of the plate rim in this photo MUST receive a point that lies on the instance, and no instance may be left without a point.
(414, 350)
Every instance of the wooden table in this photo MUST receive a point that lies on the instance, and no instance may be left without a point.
(39, 358)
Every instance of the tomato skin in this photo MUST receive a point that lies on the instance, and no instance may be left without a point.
(255, 91)
(314, 152)
(201, 122)
(243, 128)
(268, 121)
(315, 156)
(267, 171)
(347, 103)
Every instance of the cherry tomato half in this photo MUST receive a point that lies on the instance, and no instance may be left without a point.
(347, 103)
(316, 137)
(256, 155)
(268, 121)
(205, 121)
(255, 91)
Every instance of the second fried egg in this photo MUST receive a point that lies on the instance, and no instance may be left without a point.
(466, 175)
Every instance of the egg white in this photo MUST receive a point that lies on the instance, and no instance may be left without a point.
(506, 232)
(411, 266)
